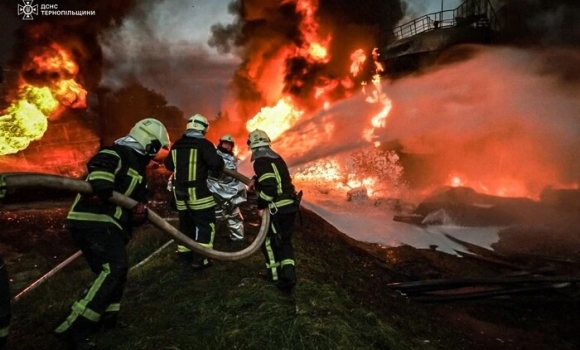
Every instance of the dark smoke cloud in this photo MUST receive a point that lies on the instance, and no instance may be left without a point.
(160, 45)
(79, 34)
(546, 22)
(267, 31)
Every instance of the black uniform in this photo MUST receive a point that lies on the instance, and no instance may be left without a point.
(102, 229)
(277, 194)
(191, 159)
(4, 304)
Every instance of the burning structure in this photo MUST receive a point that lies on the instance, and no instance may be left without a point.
(309, 75)
(421, 41)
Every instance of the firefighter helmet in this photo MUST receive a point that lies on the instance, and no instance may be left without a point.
(227, 138)
(198, 122)
(151, 134)
(258, 138)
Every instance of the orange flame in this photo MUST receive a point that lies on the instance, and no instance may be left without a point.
(26, 119)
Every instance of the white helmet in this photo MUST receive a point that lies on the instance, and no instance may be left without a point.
(151, 134)
(198, 122)
(227, 138)
(258, 138)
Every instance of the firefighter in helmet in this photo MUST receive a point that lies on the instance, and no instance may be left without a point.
(229, 193)
(191, 158)
(102, 229)
(276, 194)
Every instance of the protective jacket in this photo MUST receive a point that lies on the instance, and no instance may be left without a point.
(229, 194)
(221, 184)
(115, 168)
(273, 182)
(191, 159)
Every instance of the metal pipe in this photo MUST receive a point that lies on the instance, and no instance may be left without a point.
(13, 181)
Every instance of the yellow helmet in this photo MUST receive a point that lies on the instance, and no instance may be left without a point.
(198, 122)
(258, 138)
(227, 138)
(151, 134)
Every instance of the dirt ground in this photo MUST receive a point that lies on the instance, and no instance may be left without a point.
(546, 319)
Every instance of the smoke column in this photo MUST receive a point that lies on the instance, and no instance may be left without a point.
(266, 33)
(161, 45)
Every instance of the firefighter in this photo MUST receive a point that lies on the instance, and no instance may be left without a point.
(191, 158)
(102, 229)
(229, 193)
(276, 194)
(4, 304)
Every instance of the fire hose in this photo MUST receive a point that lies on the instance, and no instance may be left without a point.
(12, 181)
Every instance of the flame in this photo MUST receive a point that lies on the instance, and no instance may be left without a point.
(275, 120)
(314, 47)
(26, 119)
(376, 172)
(501, 186)
(358, 59)
(377, 96)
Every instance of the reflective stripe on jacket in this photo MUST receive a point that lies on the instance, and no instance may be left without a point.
(274, 183)
(191, 159)
(117, 168)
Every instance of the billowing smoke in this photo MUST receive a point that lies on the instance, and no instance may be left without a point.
(548, 22)
(78, 34)
(161, 46)
(268, 33)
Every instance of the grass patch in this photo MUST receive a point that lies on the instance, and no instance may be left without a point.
(340, 302)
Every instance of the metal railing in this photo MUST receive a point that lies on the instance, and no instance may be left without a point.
(471, 13)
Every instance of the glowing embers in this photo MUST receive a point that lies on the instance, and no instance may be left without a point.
(374, 172)
(52, 71)
(497, 186)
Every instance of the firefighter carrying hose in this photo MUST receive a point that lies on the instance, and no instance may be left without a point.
(191, 158)
(102, 229)
(277, 194)
(229, 193)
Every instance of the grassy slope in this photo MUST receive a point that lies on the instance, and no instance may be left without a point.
(340, 303)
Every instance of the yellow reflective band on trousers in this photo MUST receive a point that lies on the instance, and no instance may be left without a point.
(287, 262)
(79, 308)
(114, 307)
(271, 263)
(4, 332)
(184, 249)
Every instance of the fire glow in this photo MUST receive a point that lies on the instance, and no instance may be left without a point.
(26, 118)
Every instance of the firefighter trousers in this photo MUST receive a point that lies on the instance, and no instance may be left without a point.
(199, 225)
(279, 252)
(105, 252)
(229, 212)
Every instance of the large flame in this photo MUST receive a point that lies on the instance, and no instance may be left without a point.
(26, 118)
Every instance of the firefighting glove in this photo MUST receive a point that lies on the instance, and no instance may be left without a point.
(139, 214)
